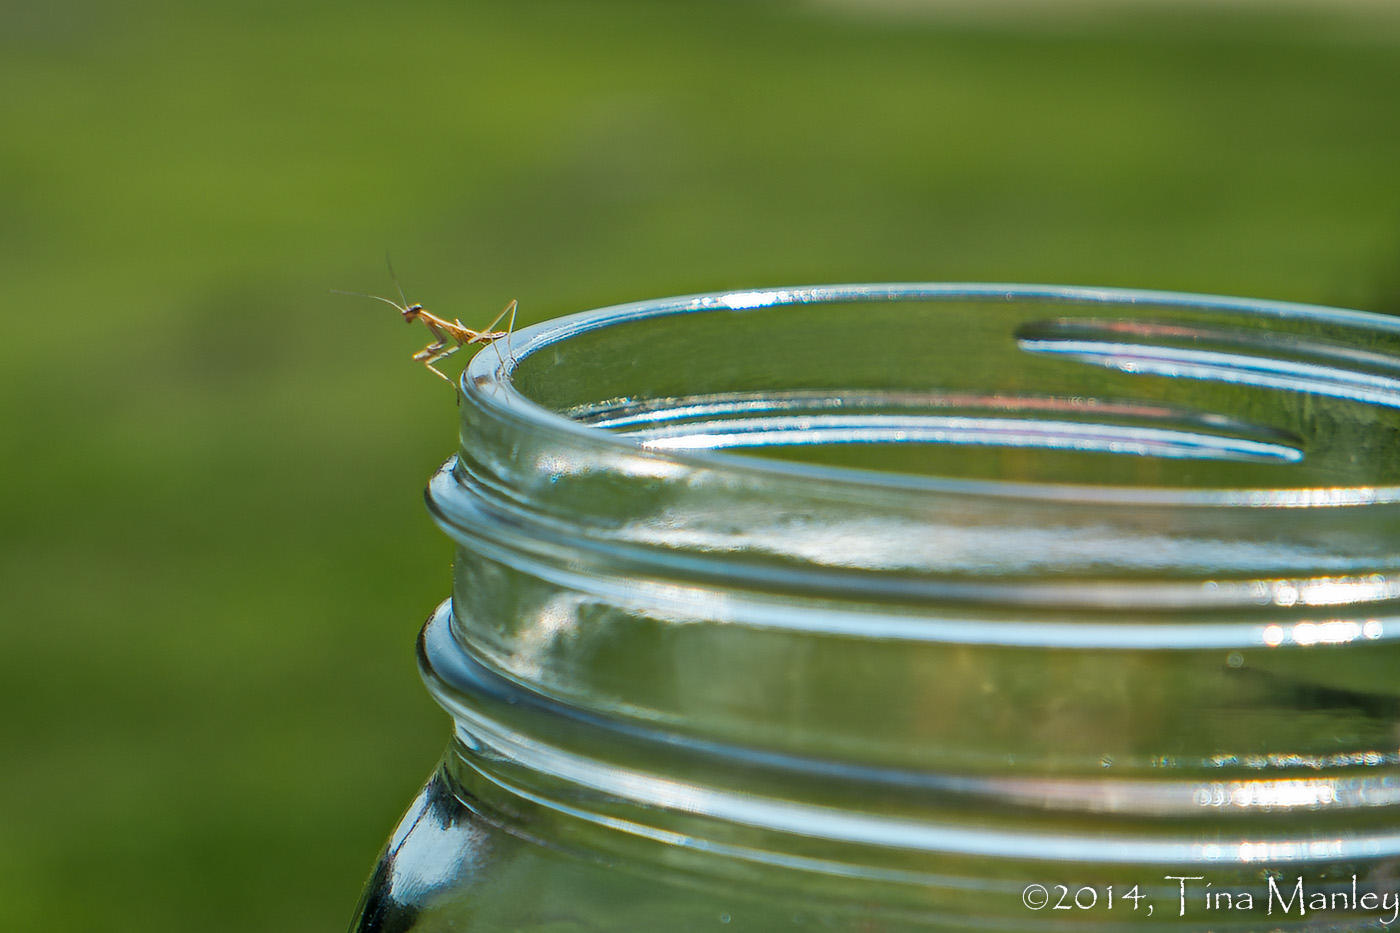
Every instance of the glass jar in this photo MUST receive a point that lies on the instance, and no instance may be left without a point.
(917, 607)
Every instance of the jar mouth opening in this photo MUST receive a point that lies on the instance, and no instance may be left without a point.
(1262, 347)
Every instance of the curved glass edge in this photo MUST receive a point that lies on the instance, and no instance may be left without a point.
(487, 382)
(606, 769)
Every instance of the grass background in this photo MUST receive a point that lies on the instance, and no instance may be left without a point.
(213, 554)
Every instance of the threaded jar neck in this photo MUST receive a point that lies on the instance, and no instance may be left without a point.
(1020, 564)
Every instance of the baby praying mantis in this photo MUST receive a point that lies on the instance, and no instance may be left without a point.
(442, 330)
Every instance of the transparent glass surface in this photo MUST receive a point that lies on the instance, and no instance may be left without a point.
(867, 607)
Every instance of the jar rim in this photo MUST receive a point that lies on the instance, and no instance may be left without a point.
(488, 381)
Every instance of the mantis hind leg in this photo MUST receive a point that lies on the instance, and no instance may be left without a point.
(510, 329)
(508, 309)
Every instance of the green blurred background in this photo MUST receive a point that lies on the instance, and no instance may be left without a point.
(213, 552)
